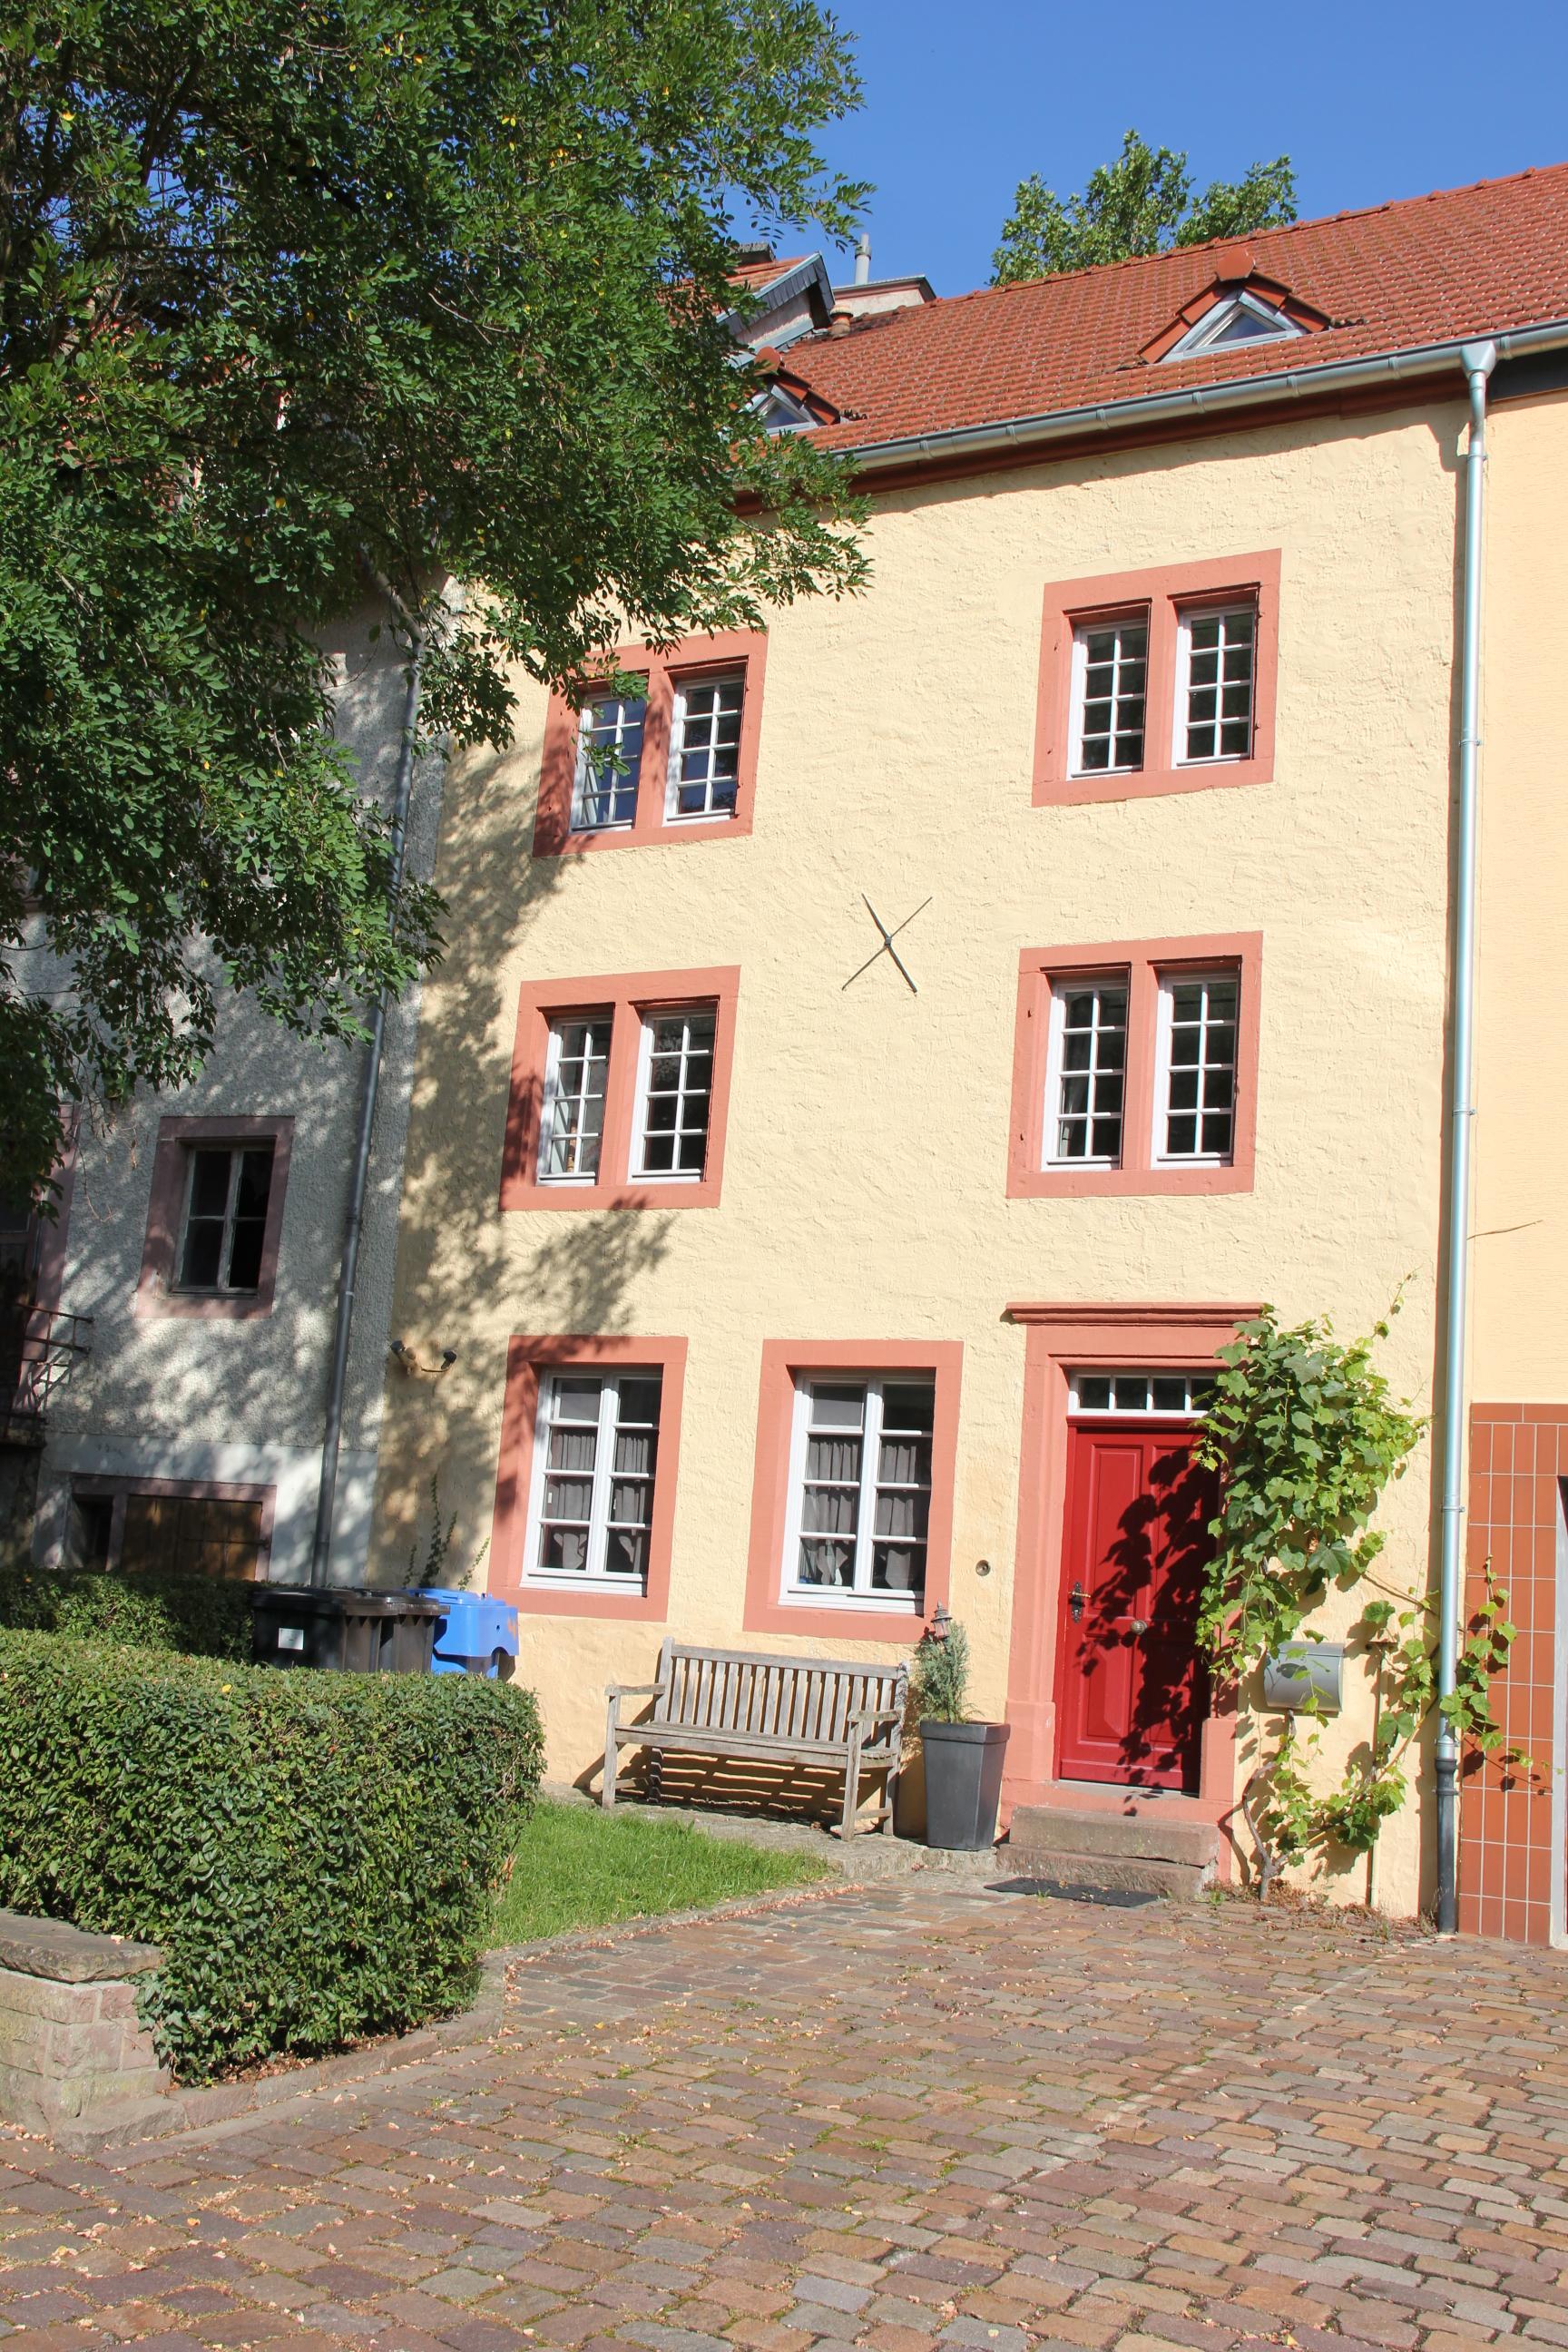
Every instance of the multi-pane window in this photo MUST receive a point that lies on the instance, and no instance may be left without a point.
(572, 1118)
(1216, 684)
(1111, 680)
(1195, 1109)
(860, 1489)
(609, 760)
(1086, 1073)
(675, 1092)
(227, 1193)
(596, 1457)
(705, 748)
(1148, 1394)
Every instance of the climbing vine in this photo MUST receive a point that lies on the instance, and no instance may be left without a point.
(1306, 1435)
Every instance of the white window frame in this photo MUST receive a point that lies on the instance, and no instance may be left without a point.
(859, 1597)
(223, 1287)
(595, 1577)
(1192, 1408)
(646, 1017)
(1203, 335)
(632, 775)
(1081, 631)
(707, 814)
(550, 1094)
(1062, 986)
(1168, 983)
(1217, 609)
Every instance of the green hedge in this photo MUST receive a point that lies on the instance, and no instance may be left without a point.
(207, 1616)
(316, 1854)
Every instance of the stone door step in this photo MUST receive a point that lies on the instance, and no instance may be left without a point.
(1135, 1848)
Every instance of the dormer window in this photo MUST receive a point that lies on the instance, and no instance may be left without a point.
(1238, 318)
(781, 412)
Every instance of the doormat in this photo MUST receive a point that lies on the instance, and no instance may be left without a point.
(1062, 1890)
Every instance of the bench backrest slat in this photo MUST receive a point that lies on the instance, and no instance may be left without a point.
(774, 1697)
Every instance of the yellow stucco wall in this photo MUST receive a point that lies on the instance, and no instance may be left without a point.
(864, 1183)
(1518, 1266)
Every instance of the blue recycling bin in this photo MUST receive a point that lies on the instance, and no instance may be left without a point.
(474, 1634)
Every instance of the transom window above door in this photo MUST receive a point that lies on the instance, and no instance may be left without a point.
(1145, 1395)
(620, 1089)
(664, 750)
(1158, 681)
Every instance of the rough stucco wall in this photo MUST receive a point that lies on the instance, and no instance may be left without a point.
(864, 1179)
(1520, 1268)
(192, 1399)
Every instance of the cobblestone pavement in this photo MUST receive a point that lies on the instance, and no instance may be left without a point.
(895, 2117)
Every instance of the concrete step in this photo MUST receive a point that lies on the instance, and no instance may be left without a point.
(1183, 1882)
(1137, 1831)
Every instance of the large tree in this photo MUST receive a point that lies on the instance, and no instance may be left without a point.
(1142, 202)
(307, 300)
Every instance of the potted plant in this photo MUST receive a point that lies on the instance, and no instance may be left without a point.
(963, 1759)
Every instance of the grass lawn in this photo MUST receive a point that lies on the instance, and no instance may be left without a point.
(575, 1866)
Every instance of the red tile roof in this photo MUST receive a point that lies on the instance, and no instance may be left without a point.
(757, 276)
(1467, 261)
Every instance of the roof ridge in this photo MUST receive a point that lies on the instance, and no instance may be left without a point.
(1244, 236)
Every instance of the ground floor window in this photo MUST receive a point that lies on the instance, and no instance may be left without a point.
(171, 1528)
(596, 1461)
(860, 1489)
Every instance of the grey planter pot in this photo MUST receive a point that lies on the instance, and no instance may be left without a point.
(963, 1783)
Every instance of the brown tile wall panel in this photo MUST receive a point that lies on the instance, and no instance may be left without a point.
(1517, 1455)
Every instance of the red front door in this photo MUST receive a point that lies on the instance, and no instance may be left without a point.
(1130, 1690)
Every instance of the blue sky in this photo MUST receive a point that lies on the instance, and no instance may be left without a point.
(1371, 100)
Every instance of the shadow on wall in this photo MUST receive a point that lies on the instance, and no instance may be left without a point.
(455, 1247)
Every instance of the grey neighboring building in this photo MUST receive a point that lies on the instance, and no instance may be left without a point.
(178, 1334)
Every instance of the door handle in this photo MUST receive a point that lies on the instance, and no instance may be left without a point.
(1140, 1625)
(1075, 1600)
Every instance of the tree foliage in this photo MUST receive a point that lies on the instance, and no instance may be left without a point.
(303, 298)
(1142, 202)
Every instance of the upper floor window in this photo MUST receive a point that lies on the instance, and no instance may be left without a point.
(619, 1091)
(675, 760)
(1136, 1068)
(215, 1219)
(225, 1218)
(1158, 681)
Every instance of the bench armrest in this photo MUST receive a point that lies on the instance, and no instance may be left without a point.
(636, 1690)
(875, 1717)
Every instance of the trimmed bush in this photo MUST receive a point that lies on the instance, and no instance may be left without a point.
(206, 1616)
(317, 1853)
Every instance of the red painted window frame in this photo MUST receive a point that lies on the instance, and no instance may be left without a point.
(526, 1358)
(627, 995)
(766, 1611)
(1141, 962)
(156, 1295)
(1159, 594)
(695, 658)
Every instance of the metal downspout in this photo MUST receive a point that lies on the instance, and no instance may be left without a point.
(1478, 361)
(332, 1427)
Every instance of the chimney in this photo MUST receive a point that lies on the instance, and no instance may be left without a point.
(863, 262)
(841, 321)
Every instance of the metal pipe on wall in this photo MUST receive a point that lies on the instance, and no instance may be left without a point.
(1478, 361)
(333, 1425)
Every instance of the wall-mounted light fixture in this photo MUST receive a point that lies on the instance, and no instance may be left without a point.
(415, 1367)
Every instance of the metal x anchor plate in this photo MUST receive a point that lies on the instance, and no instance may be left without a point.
(886, 948)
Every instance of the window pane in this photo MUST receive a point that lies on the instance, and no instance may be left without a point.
(673, 1116)
(1220, 653)
(903, 1503)
(572, 1120)
(705, 748)
(1201, 1072)
(1170, 1393)
(609, 759)
(203, 1261)
(1084, 1122)
(1113, 676)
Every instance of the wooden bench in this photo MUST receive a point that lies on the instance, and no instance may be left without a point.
(724, 1703)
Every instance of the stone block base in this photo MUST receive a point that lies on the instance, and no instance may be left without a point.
(76, 2061)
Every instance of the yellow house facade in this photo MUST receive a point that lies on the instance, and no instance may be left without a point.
(875, 1069)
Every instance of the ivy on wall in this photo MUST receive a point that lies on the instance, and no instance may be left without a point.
(1306, 1435)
